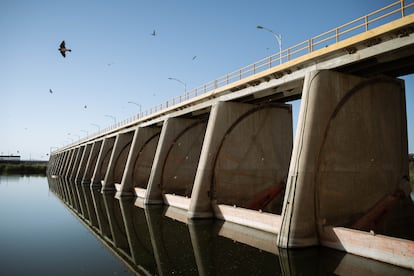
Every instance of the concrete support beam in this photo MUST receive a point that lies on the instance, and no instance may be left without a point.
(83, 163)
(117, 161)
(349, 152)
(91, 163)
(70, 163)
(246, 151)
(171, 129)
(140, 160)
(103, 161)
(76, 163)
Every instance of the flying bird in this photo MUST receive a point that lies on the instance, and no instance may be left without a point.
(153, 33)
(62, 49)
(85, 106)
(194, 57)
(50, 91)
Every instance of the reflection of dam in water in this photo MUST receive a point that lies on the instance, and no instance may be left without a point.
(160, 240)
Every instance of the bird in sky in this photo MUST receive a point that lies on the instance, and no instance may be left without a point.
(50, 91)
(153, 33)
(62, 49)
(85, 106)
(194, 57)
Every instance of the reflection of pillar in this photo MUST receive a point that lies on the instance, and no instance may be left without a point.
(73, 197)
(116, 222)
(138, 235)
(89, 205)
(202, 235)
(169, 237)
(81, 198)
(100, 211)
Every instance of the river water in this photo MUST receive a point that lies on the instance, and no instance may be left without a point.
(49, 229)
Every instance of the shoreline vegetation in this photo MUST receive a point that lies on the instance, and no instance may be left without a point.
(23, 167)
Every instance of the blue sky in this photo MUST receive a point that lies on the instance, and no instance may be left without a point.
(116, 60)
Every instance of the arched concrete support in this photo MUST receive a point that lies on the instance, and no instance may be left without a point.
(91, 164)
(171, 129)
(100, 211)
(350, 152)
(117, 161)
(180, 164)
(63, 163)
(103, 161)
(140, 160)
(70, 163)
(84, 161)
(247, 146)
(76, 163)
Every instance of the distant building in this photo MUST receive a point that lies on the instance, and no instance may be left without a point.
(10, 158)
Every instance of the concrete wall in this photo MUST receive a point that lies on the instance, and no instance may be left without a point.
(350, 151)
(246, 151)
(140, 159)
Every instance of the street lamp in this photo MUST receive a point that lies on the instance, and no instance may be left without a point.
(180, 81)
(70, 137)
(137, 105)
(99, 128)
(113, 117)
(278, 38)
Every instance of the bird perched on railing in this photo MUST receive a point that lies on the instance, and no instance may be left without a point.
(62, 49)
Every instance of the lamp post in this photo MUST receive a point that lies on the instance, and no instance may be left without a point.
(113, 117)
(99, 128)
(137, 104)
(180, 81)
(278, 38)
(70, 137)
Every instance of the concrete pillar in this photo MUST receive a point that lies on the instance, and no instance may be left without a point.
(71, 161)
(140, 159)
(63, 164)
(246, 151)
(117, 161)
(82, 165)
(103, 161)
(350, 151)
(91, 164)
(76, 163)
(171, 129)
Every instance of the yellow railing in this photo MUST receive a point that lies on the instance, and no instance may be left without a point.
(360, 25)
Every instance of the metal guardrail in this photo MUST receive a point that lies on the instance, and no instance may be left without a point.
(389, 13)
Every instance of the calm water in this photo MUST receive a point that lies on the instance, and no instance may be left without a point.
(49, 227)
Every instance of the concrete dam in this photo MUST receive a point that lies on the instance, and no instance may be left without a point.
(226, 149)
